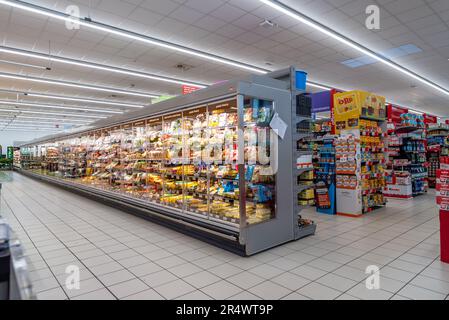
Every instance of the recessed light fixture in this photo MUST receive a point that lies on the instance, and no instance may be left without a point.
(75, 85)
(25, 65)
(350, 43)
(267, 24)
(26, 104)
(96, 66)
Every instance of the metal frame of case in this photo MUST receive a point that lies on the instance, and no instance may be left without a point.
(245, 239)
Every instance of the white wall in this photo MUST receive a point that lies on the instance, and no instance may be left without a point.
(7, 138)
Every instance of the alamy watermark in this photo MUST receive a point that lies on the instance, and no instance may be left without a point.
(372, 22)
(372, 282)
(73, 280)
(74, 12)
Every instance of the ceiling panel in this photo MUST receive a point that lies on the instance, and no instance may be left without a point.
(231, 28)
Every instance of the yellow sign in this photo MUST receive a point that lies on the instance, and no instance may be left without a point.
(350, 106)
(346, 111)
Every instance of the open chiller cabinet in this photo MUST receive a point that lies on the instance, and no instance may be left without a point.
(207, 164)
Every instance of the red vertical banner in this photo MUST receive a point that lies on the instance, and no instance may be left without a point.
(394, 114)
(442, 187)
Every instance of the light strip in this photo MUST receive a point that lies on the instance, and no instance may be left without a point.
(318, 86)
(75, 85)
(50, 113)
(331, 33)
(26, 104)
(29, 130)
(97, 66)
(15, 120)
(84, 121)
(24, 64)
(112, 103)
(128, 34)
(31, 127)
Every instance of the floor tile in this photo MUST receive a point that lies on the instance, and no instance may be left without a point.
(174, 289)
(336, 282)
(128, 288)
(270, 290)
(149, 294)
(86, 286)
(52, 294)
(201, 279)
(133, 261)
(116, 277)
(144, 269)
(158, 278)
(290, 281)
(185, 270)
(309, 272)
(105, 268)
(245, 280)
(360, 291)
(418, 293)
(221, 290)
(295, 296)
(266, 271)
(244, 295)
(195, 296)
(317, 291)
(225, 270)
(396, 274)
(101, 294)
(431, 284)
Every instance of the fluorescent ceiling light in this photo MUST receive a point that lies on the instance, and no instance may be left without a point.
(96, 66)
(75, 85)
(337, 36)
(24, 65)
(112, 103)
(129, 35)
(26, 104)
(29, 130)
(84, 121)
(59, 120)
(34, 121)
(416, 112)
(318, 86)
(30, 127)
(58, 114)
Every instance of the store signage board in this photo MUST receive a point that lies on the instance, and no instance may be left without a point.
(321, 101)
(189, 89)
(278, 125)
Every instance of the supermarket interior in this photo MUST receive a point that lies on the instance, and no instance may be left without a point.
(224, 150)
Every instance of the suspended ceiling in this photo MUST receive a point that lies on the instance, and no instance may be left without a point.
(229, 29)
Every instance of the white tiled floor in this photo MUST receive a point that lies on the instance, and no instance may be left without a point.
(124, 257)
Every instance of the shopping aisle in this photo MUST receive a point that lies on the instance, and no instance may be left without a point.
(124, 257)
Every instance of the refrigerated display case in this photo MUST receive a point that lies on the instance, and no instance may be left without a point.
(208, 164)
